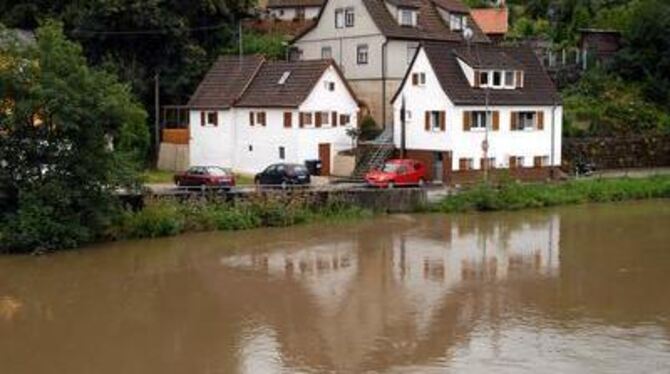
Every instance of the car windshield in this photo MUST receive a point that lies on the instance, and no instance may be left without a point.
(217, 172)
(391, 168)
(297, 169)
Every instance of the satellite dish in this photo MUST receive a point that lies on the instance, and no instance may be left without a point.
(468, 34)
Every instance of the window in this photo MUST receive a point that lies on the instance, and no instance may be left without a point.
(325, 118)
(251, 148)
(406, 17)
(330, 86)
(339, 18)
(411, 51)
(526, 120)
(362, 54)
(260, 118)
(435, 120)
(213, 118)
(326, 52)
(284, 77)
(489, 163)
(497, 79)
(480, 119)
(456, 22)
(345, 119)
(465, 164)
(408, 115)
(516, 162)
(305, 119)
(483, 78)
(540, 161)
(418, 79)
(282, 153)
(349, 17)
(509, 79)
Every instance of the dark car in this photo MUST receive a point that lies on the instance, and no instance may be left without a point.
(283, 175)
(206, 177)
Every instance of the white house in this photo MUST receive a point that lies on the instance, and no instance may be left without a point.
(248, 113)
(373, 41)
(458, 98)
(293, 10)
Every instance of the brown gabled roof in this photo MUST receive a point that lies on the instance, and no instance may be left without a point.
(430, 26)
(538, 88)
(225, 81)
(265, 90)
(294, 3)
(456, 6)
(491, 20)
(486, 58)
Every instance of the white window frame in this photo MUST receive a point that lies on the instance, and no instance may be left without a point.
(522, 120)
(456, 22)
(406, 17)
(435, 121)
(349, 17)
(362, 50)
(479, 116)
(500, 80)
(339, 18)
(326, 52)
(511, 83)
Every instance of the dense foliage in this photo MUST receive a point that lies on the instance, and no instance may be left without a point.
(70, 135)
(514, 196)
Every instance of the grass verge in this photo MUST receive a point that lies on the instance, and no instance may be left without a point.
(515, 196)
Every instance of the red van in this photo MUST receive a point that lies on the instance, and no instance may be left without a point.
(398, 172)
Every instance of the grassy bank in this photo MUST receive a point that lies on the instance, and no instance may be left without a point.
(515, 196)
(154, 176)
(169, 217)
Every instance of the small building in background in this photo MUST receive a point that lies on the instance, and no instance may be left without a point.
(294, 10)
(494, 22)
(599, 45)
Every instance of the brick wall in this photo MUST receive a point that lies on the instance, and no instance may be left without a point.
(617, 153)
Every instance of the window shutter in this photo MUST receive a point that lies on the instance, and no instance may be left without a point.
(216, 118)
(496, 120)
(427, 119)
(443, 120)
(261, 119)
(317, 119)
(512, 162)
(415, 79)
(476, 79)
(288, 118)
(519, 79)
(301, 119)
(251, 118)
(514, 120)
(540, 120)
(333, 118)
(537, 161)
(202, 119)
(466, 121)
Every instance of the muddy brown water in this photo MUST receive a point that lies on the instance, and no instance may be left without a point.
(573, 290)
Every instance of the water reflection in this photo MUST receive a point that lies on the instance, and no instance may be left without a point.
(565, 290)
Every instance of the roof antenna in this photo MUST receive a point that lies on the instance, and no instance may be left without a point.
(467, 35)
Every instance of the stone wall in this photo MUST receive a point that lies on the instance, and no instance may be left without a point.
(643, 151)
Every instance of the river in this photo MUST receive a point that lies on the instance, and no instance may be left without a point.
(582, 289)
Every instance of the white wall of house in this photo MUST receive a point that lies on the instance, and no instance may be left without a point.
(206, 142)
(234, 143)
(468, 144)
(289, 14)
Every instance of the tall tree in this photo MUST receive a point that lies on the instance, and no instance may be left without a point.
(70, 136)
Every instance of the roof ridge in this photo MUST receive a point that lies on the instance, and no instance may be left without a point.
(251, 78)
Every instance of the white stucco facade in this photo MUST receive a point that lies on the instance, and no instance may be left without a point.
(503, 143)
(235, 144)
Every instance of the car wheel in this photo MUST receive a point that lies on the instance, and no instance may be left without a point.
(391, 185)
(422, 182)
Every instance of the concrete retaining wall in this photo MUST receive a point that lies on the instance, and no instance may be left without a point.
(173, 157)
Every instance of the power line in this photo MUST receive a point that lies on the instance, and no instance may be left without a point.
(150, 31)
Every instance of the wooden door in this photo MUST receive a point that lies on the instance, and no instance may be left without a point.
(324, 157)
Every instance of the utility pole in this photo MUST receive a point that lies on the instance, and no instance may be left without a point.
(157, 115)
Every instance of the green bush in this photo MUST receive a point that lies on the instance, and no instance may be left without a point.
(514, 196)
(369, 129)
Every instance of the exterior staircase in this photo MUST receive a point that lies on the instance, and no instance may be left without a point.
(378, 151)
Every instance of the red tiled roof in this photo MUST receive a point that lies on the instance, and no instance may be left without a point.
(491, 20)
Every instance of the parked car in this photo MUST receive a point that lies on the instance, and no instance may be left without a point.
(206, 177)
(398, 172)
(283, 175)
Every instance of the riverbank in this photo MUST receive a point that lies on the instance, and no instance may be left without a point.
(515, 196)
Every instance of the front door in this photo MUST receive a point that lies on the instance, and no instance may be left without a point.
(438, 166)
(324, 157)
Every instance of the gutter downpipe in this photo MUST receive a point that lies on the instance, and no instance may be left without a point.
(384, 83)
(553, 136)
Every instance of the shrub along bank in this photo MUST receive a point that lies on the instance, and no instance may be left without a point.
(171, 217)
(514, 196)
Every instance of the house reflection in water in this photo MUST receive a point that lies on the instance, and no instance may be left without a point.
(406, 294)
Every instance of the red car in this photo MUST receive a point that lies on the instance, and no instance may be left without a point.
(205, 177)
(398, 172)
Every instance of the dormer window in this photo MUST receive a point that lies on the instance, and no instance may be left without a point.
(457, 22)
(499, 79)
(407, 17)
(509, 79)
(483, 78)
